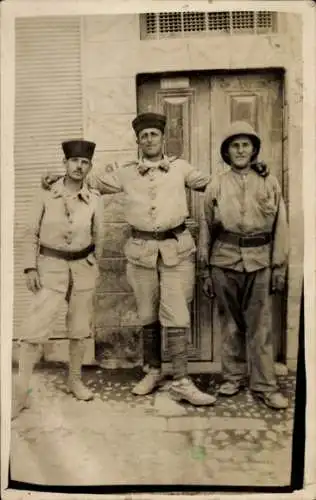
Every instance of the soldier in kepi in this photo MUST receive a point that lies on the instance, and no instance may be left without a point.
(243, 252)
(61, 245)
(160, 251)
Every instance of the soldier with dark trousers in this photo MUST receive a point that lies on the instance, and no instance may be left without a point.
(243, 255)
(160, 252)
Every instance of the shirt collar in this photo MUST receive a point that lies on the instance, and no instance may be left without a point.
(143, 166)
(242, 171)
(58, 190)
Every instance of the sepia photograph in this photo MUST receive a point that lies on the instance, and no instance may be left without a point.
(158, 246)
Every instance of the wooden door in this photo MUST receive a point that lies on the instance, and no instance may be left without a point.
(199, 108)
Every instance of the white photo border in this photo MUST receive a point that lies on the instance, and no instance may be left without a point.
(10, 10)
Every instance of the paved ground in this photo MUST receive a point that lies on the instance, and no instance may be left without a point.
(121, 439)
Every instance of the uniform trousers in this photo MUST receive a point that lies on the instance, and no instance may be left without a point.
(163, 293)
(244, 302)
(61, 281)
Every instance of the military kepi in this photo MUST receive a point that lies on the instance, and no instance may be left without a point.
(149, 120)
(78, 148)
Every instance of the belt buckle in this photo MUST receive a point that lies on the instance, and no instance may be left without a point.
(156, 234)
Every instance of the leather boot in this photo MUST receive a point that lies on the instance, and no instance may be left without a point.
(75, 384)
(182, 387)
(152, 360)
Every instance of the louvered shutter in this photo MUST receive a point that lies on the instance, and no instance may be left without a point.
(48, 111)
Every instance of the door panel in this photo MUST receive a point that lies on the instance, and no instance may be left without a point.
(256, 99)
(199, 109)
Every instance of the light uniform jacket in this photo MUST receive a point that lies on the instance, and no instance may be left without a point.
(66, 223)
(155, 200)
(248, 204)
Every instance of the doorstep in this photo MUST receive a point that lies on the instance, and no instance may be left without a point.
(56, 350)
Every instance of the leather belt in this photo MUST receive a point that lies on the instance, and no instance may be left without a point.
(257, 240)
(158, 235)
(64, 254)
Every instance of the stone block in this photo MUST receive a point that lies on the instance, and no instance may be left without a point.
(110, 132)
(128, 311)
(112, 59)
(107, 310)
(114, 209)
(170, 55)
(272, 50)
(112, 159)
(115, 236)
(111, 28)
(119, 347)
(110, 96)
(115, 310)
(113, 276)
(201, 58)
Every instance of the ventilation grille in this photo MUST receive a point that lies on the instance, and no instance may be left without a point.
(185, 24)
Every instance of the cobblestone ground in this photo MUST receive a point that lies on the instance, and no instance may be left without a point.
(121, 439)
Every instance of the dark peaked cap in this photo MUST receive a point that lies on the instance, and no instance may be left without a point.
(149, 120)
(78, 148)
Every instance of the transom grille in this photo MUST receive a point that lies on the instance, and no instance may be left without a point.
(185, 24)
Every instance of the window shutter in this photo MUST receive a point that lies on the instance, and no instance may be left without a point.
(48, 110)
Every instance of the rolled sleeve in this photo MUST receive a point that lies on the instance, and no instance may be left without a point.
(105, 181)
(32, 231)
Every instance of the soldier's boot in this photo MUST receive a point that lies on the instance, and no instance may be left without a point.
(28, 356)
(182, 387)
(152, 360)
(75, 384)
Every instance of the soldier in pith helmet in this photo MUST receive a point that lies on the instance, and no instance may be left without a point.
(243, 259)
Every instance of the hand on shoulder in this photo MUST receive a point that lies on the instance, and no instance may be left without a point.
(48, 179)
(261, 168)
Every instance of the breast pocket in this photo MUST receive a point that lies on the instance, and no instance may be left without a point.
(267, 204)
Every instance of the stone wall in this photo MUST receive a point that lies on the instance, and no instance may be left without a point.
(112, 56)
